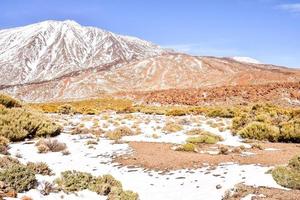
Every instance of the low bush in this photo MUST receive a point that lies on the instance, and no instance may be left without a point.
(119, 194)
(17, 124)
(207, 138)
(53, 145)
(172, 127)
(189, 147)
(257, 146)
(66, 109)
(39, 168)
(18, 177)
(260, 131)
(224, 150)
(9, 102)
(290, 131)
(73, 181)
(288, 176)
(118, 133)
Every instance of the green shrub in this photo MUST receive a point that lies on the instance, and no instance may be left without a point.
(39, 168)
(9, 102)
(73, 181)
(189, 147)
(294, 163)
(103, 185)
(172, 127)
(283, 124)
(290, 131)
(260, 131)
(118, 133)
(207, 138)
(66, 109)
(18, 177)
(17, 124)
(288, 176)
(119, 194)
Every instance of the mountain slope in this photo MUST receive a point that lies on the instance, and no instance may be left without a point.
(55, 60)
(167, 71)
(51, 49)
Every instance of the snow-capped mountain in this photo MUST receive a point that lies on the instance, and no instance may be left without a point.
(55, 60)
(51, 49)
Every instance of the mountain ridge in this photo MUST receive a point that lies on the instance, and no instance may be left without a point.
(114, 63)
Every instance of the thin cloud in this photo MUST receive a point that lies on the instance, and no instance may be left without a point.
(292, 7)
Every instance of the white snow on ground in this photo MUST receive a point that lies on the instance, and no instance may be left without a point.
(85, 194)
(192, 183)
(149, 124)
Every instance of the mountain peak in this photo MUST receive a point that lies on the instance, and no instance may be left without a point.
(51, 49)
(57, 23)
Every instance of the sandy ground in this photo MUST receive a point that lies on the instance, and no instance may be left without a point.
(263, 193)
(160, 156)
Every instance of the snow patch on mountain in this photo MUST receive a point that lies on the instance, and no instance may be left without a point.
(246, 60)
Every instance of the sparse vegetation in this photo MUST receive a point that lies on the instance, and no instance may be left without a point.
(91, 106)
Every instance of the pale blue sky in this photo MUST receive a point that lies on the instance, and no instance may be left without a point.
(268, 30)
